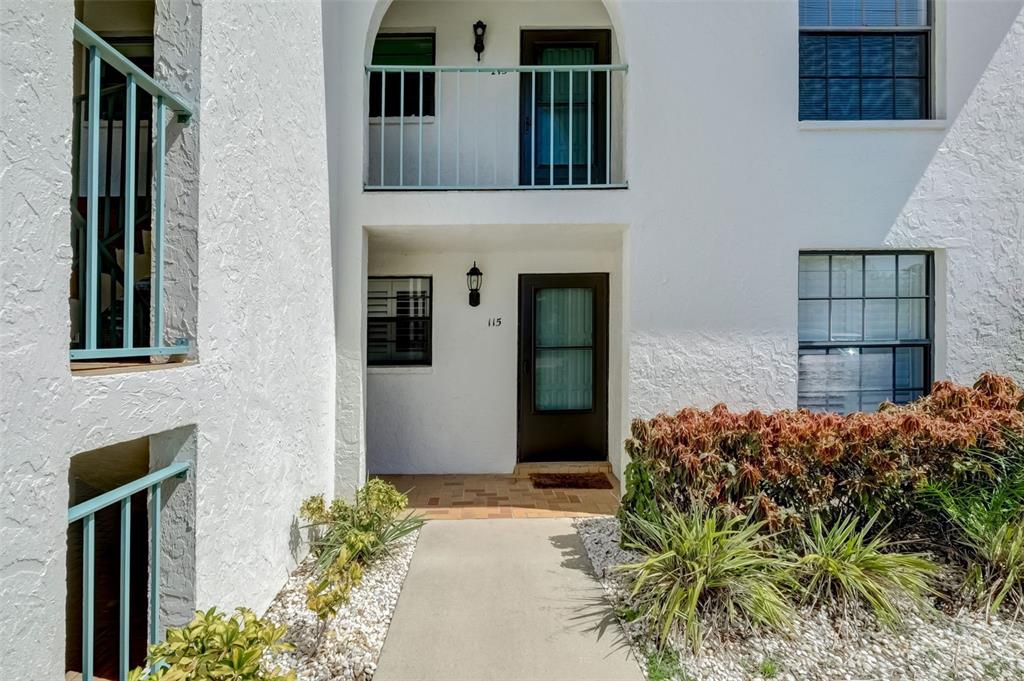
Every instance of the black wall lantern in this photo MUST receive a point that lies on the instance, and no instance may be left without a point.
(479, 28)
(474, 277)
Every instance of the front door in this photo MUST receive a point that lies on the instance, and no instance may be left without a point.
(563, 367)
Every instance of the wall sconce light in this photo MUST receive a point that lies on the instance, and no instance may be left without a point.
(479, 28)
(474, 277)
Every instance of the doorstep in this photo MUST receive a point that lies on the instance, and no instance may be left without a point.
(477, 497)
(524, 470)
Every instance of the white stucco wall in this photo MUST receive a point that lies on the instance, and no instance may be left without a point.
(726, 187)
(460, 414)
(260, 399)
(970, 203)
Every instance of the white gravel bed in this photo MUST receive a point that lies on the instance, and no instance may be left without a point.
(823, 647)
(349, 647)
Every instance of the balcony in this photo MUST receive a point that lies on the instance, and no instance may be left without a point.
(534, 127)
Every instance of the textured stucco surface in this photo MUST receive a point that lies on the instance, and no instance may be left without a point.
(970, 202)
(726, 187)
(259, 404)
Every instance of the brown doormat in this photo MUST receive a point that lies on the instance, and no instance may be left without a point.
(570, 480)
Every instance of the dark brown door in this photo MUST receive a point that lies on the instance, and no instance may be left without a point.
(563, 367)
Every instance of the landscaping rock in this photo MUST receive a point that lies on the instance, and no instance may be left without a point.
(348, 647)
(823, 646)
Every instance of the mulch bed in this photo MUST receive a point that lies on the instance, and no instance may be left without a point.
(570, 480)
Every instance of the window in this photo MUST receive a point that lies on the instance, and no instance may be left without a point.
(864, 59)
(403, 49)
(398, 314)
(864, 328)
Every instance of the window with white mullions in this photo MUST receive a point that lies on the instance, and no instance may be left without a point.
(865, 59)
(398, 324)
(865, 329)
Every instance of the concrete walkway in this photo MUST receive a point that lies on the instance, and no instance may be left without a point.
(503, 600)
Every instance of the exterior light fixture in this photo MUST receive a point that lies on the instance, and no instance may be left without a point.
(474, 277)
(479, 28)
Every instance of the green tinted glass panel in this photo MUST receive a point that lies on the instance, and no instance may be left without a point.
(558, 117)
(564, 352)
(403, 50)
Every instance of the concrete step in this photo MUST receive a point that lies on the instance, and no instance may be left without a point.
(523, 470)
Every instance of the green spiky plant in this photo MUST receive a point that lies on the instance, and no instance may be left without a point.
(847, 562)
(701, 567)
(985, 510)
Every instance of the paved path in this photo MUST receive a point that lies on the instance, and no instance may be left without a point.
(503, 600)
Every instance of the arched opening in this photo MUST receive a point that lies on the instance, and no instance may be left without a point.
(498, 95)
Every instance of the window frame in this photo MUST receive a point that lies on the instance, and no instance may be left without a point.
(927, 344)
(429, 106)
(927, 30)
(429, 318)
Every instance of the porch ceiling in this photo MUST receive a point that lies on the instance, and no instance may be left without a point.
(475, 238)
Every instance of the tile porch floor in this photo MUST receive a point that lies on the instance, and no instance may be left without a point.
(477, 497)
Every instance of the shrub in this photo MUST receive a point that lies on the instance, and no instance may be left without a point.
(782, 466)
(986, 510)
(703, 567)
(346, 537)
(844, 563)
(216, 646)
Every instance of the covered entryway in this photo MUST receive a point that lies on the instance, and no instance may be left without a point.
(449, 386)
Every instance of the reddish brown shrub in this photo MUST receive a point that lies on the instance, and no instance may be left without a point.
(781, 465)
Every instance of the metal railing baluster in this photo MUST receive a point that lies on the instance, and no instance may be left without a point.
(438, 108)
(608, 129)
(125, 602)
(383, 111)
(571, 112)
(458, 127)
(156, 292)
(154, 565)
(88, 593)
(476, 128)
(401, 129)
(551, 132)
(590, 117)
(419, 163)
(533, 129)
(128, 198)
(92, 301)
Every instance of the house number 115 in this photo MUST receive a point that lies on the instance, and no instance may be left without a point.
(494, 321)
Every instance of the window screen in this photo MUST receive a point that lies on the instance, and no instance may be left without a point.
(864, 329)
(402, 90)
(864, 59)
(398, 324)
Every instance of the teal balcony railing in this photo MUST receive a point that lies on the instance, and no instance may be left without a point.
(115, 313)
(86, 513)
(495, 127)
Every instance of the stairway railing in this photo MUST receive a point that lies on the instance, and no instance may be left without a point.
(86, 512)
(100, 52)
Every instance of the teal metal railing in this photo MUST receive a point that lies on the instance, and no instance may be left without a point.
(495, 127)
(90, 246)
(86, 512)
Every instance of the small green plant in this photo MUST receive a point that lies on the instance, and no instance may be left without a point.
(347, 537)
(768, 668)
(847, 563)
(701, 566)
(217, 646)
(663, 665)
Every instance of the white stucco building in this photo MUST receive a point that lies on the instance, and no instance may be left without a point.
(765, 203)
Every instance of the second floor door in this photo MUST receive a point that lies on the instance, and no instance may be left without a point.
(563, 111)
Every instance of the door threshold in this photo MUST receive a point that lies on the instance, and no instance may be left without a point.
(524, 469)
